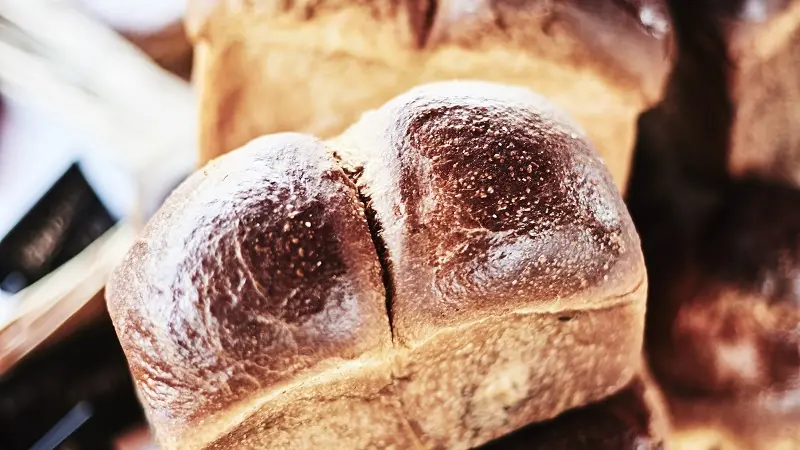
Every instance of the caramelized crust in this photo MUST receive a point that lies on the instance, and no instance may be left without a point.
(504, 240)
(488, 201)
(253, 313)
(257, 269)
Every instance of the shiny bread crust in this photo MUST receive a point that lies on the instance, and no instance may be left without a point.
(481, 273)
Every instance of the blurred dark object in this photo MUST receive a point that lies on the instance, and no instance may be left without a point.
(718, 240)
(733, 306)
(87, 369)
(713, 196)
(66, 427)
(65, 221)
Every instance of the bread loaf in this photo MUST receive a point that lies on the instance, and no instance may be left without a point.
(481, 273)
(731, 99)
(764, 71)
(720, 239)
(267, 66)
(731, 423)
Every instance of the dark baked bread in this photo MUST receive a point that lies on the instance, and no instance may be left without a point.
(253, 312)
(496, 216)
(257, 275)
(632, 419)
(603, 61)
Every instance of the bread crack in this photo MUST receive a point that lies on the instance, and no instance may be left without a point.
(354, 173)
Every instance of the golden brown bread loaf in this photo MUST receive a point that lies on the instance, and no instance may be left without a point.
(726, 423)
(258, 309)
(764, 65)
(723, 328)
(314, 66)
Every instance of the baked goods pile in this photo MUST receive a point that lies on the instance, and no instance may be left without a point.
(399, 260)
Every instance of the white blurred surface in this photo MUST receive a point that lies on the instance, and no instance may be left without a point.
(142, 16)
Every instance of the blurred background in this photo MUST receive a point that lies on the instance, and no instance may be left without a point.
(96, 127)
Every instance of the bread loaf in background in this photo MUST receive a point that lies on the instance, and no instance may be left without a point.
(764, 85)
(714, 196)
(731, 102)
(383, 289)
(731, 423)
(267, 66)
(734, 311)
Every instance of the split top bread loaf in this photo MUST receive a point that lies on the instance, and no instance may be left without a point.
(479, 274)
(603, 61)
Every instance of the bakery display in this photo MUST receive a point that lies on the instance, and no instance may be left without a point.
(456, 265)
(267, 66)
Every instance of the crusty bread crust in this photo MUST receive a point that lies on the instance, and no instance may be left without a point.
(258, 268)
(488, 199)
(254, 310)
(460, 389)
(495, 218)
